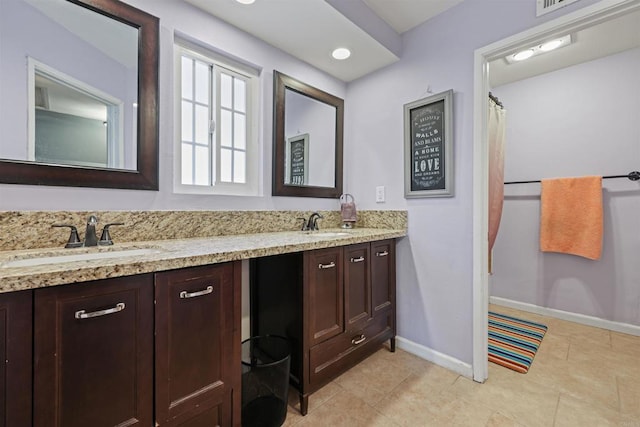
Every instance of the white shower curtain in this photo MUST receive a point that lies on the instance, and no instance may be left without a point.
(496, 137)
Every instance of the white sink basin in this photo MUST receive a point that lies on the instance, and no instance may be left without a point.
(328, 234)
(72, 257)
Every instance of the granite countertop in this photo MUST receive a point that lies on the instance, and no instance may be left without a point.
(159, 255)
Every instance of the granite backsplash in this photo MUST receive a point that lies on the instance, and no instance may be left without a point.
(32, 229)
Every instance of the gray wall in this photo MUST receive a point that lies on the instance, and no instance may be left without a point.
(435, 262)
(573, 122)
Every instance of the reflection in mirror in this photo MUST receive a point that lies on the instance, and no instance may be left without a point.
(307, 140)
(71, 123)
(79, 98)
(310, 133)
(296, 170)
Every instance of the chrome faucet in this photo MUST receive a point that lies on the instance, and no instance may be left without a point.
(90, 237)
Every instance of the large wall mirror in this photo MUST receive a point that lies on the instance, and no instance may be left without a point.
(78, 94)
(307, 132)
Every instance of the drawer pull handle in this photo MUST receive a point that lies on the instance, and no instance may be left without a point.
(358, 340)
(359, 259)
(84, 315)
(383, 253)
(325, 266)
(185, 294)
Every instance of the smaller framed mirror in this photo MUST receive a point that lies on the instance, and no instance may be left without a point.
(307, 140)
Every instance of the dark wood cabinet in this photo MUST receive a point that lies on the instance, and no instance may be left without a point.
(90, 347)
(324, 294)
(93, 353)
(357, 278)
(383, 283)
(197, 346)
(335, 305)
(15, 350)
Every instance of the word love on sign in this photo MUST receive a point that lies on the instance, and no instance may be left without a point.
(428, 142)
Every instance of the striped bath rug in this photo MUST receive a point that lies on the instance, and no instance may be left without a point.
(513, 342)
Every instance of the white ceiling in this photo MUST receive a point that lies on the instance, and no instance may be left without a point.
(406, 14)
(372, 29)
(311, 29)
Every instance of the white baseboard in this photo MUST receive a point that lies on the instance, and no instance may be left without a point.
(436, 357)
(624, 328)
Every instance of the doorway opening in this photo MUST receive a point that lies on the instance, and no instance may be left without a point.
(572, 23)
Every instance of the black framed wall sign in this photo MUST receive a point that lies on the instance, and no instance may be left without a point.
(428, 146)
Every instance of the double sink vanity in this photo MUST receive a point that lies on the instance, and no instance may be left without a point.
(149, 332)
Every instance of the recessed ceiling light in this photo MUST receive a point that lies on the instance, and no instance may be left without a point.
(523, 54)
(553, 44)
(539, 49)
(245, 1)
(341, 53)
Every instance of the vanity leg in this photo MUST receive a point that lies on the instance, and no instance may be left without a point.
(392, 345)
(304, 403)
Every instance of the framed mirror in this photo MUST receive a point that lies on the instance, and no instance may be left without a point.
(79, 94)
(307, 140)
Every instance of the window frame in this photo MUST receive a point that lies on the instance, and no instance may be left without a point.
(253, 152)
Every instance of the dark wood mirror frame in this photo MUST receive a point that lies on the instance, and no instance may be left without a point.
(146, 177)
(281, 82)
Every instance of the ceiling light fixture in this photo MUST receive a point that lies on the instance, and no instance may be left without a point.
(553, 44)
(523, 54)
(539, 49)
(341, 53)
(246, 1)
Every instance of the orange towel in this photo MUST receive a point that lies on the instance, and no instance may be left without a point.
(571, 216)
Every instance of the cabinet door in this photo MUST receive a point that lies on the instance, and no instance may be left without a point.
(15, 350)
(323, 299)
(357, 284)
(195, 345)
(383, 276)
(93, 350)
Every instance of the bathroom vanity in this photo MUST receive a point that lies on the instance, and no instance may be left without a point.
(335, 305)
(153, 335)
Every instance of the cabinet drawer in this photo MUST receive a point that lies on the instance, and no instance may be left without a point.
(330, 358)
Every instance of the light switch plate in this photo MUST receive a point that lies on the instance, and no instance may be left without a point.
(380, 194)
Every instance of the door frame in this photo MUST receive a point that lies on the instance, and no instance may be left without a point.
(571, 22)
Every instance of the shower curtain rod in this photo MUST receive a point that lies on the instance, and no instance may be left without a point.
(632, 176)
(496, 100)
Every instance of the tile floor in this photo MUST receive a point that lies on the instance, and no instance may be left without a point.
(581, 376)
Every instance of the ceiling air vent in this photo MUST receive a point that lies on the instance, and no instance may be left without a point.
(546, 6)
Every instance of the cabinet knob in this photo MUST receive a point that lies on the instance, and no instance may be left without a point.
(359, 259)
(383, 253)
(325, 266)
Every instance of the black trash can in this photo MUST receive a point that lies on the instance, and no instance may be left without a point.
(265, 381)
